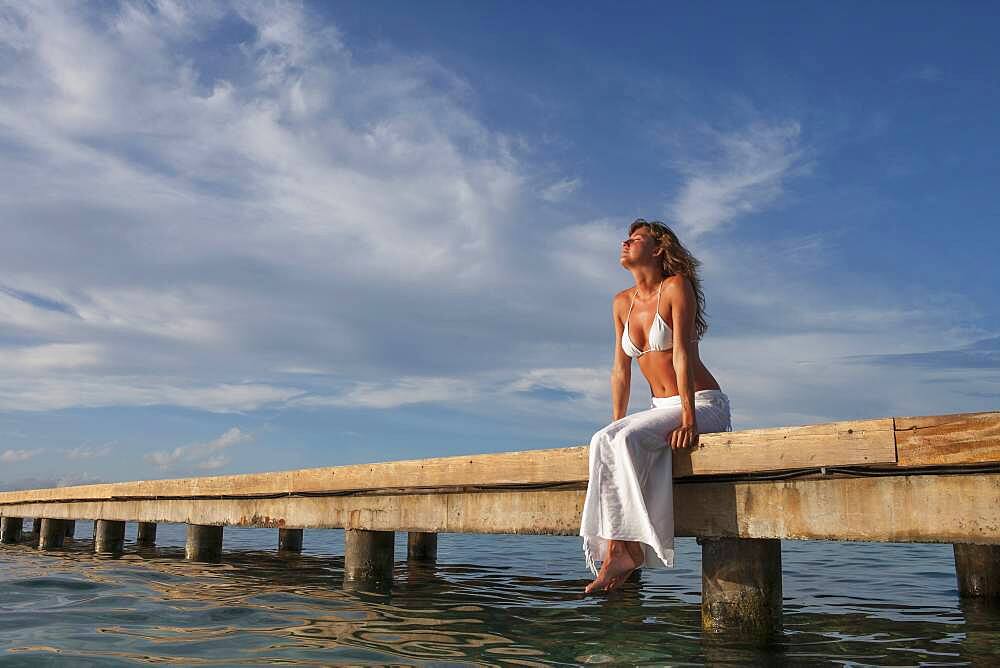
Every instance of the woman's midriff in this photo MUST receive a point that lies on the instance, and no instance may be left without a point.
(658, 369)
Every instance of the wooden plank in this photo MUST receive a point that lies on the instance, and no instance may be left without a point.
(905, 508)
(506, 468)
(942, 440)
(834, 444)
(851, 443)
(909, 508)
(963, 439)
(552, 512)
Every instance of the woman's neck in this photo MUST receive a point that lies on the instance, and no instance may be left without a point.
(647, 279)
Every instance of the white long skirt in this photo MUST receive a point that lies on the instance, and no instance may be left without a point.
(630, 489)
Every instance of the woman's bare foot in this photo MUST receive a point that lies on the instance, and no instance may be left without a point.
(622, 560)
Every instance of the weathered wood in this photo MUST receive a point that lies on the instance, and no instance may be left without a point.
(368, 559)
(741, 588)
(851, 443)
(977, 569)
(921, 441)
(109, 537)
(940, 440)
(541, 491)
(421, 546)
(290, 540)
(854, 443)
(509, 468)
(904, 508)
(204, 543)
(11, 530)
(914, 508)
(51, 534)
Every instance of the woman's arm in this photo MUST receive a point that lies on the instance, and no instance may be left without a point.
(683, 305)
(621, 369)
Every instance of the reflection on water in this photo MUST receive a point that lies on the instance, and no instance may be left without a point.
(491, 600)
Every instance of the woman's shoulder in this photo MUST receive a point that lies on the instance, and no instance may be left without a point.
(620, 302)
(674, 280)
(623, 296)
(677, 283)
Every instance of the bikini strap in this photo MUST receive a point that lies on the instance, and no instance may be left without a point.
(658, 290)
(631, 304)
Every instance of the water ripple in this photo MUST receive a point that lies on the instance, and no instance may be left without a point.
(491, 600)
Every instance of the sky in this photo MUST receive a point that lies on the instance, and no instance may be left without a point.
(262, 236)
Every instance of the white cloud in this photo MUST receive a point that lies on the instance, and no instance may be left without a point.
(590, 251)
(293, 225)
(580, 393)
(203, 221)
(205, 456)
(50, 356)
(14, 456)
(160, 314)
(88, 451)
(213, 463)
(746, 173)
(587, 382)
(66, 480)
(402, 392)
(560, 190)
(56, 392)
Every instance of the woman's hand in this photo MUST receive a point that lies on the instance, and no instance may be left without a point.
(685, 436)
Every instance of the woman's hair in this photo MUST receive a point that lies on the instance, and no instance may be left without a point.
(677, 260)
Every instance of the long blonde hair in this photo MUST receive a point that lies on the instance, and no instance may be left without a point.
(677, 260)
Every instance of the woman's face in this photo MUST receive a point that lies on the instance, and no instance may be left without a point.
(638, 249)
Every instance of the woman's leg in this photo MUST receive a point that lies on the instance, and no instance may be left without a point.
(622, 559)
(629, 502)
(628, 511)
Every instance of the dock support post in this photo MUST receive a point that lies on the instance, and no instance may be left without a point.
(289, 540)
(204, 543)
(51, 535)
(11, 529)
(977, 568)
(145, 535)
(368, 558)
(109, 537)
(70, 527)
(741, 587)
(36, 525)
(421, 546)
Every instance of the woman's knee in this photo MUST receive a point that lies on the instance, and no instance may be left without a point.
(626, 439)
(601, 438)
(619, 437)
(606, 441)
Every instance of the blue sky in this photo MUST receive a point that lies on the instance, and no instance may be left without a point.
(255, 236)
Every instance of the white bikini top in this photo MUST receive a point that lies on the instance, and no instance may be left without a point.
(660, 335)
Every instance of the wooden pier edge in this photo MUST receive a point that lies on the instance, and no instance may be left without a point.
(897, 444)
(909, 479)
(950, 508)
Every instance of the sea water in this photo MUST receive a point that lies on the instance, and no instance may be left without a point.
(489, 600)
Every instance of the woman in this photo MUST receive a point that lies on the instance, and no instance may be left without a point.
(628, 515)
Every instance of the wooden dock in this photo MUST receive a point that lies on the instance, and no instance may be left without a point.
(903, 479)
